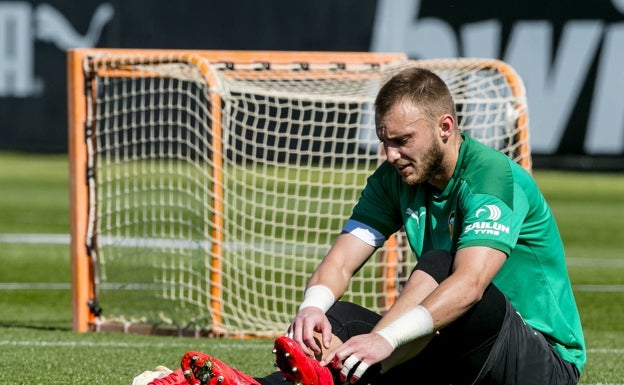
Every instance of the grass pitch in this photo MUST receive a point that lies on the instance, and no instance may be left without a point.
(37, 344)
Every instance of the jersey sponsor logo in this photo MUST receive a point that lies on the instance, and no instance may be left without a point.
(494, 213)
(489, 228)
(491, 213)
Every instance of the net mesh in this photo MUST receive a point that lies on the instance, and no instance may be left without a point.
(217, 188)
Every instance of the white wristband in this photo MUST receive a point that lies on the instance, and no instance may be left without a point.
(318, 296)
(413, 324)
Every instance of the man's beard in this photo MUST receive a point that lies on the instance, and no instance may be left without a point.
(431, 166)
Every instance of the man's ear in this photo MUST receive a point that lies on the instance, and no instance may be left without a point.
(447, 125)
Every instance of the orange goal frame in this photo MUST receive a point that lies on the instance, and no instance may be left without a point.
(83, 265)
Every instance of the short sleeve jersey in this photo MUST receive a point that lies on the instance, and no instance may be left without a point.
(489, 201)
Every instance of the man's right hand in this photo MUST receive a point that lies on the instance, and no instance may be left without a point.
(310, 325)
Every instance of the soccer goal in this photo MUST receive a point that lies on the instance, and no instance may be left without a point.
(207, 185)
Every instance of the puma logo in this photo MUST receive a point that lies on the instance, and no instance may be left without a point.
(53, 27)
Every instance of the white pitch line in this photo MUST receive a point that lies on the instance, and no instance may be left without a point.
(11, 286)
(598, 288)
(64, 239)
(152, 242)
(605, 351)
(261, 344)
(15, 286)
(52, 239)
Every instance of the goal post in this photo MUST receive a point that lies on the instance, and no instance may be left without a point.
(205, 186)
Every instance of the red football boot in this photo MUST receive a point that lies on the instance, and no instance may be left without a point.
(202, 369)
(297, 367)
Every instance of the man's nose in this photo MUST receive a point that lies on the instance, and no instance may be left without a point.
(392, 153)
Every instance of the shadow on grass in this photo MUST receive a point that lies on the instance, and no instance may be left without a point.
(37, 325)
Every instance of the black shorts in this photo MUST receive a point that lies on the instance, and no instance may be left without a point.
(521, 355)
(516, 355)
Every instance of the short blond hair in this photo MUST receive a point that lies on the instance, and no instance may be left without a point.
(419, 86)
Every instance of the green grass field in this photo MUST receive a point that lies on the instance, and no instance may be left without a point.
(37, 344)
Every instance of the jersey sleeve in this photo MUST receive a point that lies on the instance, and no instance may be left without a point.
(378, 206)
(492, 217)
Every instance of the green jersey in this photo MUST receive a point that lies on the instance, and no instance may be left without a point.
(489, 201)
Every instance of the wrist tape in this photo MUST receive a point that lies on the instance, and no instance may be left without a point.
(319, 296)
(412, 325)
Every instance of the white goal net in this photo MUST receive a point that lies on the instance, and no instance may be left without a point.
(215, 186)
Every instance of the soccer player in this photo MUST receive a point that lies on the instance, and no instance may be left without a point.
(489, 300)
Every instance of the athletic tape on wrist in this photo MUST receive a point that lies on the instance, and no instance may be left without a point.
(413, 324)
(318, 296)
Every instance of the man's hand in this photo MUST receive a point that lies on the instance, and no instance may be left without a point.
(304, 328)
(356, 355)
